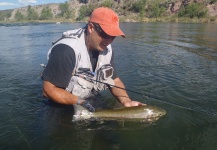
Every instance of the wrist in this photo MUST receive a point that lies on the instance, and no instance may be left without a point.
(80, 101)
(125, 100)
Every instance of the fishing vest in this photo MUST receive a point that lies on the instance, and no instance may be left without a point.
(85, 80)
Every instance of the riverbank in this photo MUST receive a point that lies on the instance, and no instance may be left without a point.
(184, 20)
(124, 19)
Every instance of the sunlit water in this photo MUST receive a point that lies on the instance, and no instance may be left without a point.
(174, 63)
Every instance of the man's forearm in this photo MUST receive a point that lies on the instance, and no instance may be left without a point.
(120, 94)
(58, 95)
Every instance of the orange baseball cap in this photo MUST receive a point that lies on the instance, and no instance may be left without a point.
(108, 21)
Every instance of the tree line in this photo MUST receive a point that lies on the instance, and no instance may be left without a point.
(152, 8)
(143, 8)
(46, 13)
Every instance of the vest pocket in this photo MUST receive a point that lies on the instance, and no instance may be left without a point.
(82, 88)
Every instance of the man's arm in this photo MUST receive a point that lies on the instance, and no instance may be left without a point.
(58, 73)
(58, 95)
(122, 96)
(61, 96)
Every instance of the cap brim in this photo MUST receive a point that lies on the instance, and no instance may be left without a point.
(112, 31)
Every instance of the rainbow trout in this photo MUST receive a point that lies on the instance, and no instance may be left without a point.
(137, 113)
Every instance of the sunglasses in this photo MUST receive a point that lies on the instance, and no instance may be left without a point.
(100, 32)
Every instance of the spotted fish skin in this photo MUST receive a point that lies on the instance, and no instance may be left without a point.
(144, 113)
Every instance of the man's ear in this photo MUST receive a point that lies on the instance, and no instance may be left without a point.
(90, 27)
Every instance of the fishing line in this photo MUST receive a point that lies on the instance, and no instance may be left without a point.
(151, 97)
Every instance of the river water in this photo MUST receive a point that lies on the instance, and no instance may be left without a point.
(174, 63)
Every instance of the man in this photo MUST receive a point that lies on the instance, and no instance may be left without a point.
(81, 63)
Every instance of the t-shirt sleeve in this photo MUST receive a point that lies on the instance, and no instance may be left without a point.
(60, 66)
(115, 75)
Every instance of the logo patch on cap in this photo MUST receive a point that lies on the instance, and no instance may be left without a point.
(115, 19)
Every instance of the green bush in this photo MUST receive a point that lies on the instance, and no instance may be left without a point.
(85, 11)
(138, 6)
(19, 16)
(193, 10)
(212, 19)
(107, 3)
(5, 14)
(156, 11)
(65, 11)
(46, 14)
(31, 14)
(213, 1)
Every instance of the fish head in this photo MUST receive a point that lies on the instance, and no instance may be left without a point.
(154, 113)
(81, 113)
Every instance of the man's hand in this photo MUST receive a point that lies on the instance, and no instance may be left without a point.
(133, 103)
(122, 96)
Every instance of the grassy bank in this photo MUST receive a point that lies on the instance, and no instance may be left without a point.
(132, 18)
(176, 19)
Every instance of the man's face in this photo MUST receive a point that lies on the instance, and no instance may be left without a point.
(98, 39)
